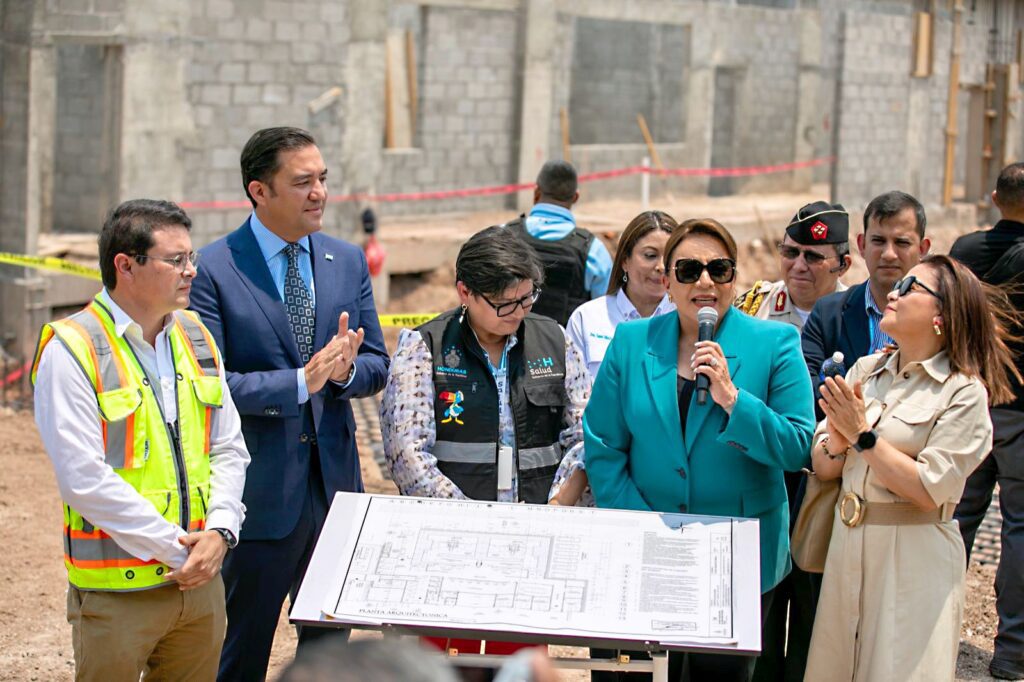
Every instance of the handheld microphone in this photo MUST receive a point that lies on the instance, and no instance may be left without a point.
(707, 318)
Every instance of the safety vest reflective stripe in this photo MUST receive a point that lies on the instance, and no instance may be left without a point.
(202, 345)
(484, 453)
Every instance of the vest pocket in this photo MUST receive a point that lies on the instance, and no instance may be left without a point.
(208, 390)
(547, 394)
(124, 414)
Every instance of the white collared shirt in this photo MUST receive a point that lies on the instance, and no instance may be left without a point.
(592, 325)
(67, 416)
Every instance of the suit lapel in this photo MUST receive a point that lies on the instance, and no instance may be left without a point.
(855, 323)
(252, 268)
(729, 337)
(325, 281)
(660, 373)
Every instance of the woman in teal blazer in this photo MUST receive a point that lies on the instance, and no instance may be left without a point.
(650, 446)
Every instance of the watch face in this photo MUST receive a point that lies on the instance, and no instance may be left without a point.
(866, 440)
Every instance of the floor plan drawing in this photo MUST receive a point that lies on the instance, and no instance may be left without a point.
(534, 568)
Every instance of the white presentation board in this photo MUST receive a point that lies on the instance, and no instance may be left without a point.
(539, 573)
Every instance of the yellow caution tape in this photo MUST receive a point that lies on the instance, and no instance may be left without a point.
(66, 267)
(410, 320)
(53, 264)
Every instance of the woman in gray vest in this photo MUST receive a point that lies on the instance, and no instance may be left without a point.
(484, 401)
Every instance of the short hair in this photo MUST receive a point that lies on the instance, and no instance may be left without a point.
(368, 659)
(889, 204)
(697, 226)
(261, 156)
(638, 228)
(1010, 186)
(557, 179)
(496, 258)
(129, 227)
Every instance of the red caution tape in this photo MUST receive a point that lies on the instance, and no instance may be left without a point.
(512, 188)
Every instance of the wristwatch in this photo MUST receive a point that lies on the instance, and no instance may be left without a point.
(866, 441)
(229, 538)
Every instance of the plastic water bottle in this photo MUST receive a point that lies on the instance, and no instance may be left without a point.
(833, 366)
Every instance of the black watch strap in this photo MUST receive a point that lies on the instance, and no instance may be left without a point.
(229, 538)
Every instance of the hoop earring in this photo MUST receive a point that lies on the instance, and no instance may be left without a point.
(937, 328)
(462, 315)
(625, 277)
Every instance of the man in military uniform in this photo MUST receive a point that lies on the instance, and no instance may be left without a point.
(814, 254)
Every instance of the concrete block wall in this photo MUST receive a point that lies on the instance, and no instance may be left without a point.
(468, 110)
(249, 69)
(81, 187)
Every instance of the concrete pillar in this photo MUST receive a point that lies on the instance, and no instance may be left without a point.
(809, 116)
(362, 109)
(535, 117)
(700, 101)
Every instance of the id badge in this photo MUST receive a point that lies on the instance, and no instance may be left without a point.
(504, 467)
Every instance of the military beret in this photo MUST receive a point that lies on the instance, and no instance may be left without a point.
(820, 223)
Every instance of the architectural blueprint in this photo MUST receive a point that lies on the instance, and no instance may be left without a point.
(534, 568)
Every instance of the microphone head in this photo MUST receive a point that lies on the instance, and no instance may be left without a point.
(707, 314)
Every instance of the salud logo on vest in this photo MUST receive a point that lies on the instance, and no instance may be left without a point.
(542, 367)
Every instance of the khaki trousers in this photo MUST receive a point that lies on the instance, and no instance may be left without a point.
(161, 633)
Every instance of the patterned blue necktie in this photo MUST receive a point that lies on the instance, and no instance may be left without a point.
(299, 304)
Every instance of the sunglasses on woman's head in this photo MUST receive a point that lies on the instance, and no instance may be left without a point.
(905, 285)
(720, 270)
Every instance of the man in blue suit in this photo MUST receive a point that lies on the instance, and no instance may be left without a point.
(281, 300)
(892, 243)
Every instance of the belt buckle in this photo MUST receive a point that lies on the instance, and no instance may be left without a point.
(854, 501)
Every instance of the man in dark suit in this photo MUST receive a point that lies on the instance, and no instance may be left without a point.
(279, 298)
(892, 243)
(996, 256)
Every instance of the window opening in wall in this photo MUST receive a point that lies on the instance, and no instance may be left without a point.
(86, 159)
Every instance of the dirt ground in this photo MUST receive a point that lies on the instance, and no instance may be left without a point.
(35, 642)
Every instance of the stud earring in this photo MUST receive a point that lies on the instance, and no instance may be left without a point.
(462, 315)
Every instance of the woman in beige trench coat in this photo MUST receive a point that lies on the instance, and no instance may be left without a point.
(904, 431)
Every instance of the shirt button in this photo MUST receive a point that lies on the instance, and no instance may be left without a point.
(682, 472)
(683, 508)
(906, 375)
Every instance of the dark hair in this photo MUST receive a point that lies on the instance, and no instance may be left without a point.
(557, 180)
(977, 319)
(694, 226)
(358, 661)
(887, 205)
(129, 229)
(261, 156)
(1010, 187)
(494, 259)
(638, 228)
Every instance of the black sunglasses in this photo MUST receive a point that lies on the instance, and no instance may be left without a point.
(506, 309)
(790, 252)
(720, 270)
(905, 285)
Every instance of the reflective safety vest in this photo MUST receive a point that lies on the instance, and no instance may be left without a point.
(168, 465)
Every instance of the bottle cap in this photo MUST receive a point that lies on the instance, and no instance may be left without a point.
(837, 357)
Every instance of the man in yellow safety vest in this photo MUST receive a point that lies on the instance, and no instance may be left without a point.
(135, 414)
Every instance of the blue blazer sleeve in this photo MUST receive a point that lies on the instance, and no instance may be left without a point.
(607, 437)
(373, 360)
(776, 431)
(269, 393)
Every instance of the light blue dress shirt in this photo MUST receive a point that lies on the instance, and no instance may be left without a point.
(551, 223)
(272, 247)
(879, 339)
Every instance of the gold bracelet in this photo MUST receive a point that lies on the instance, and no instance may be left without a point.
(824, 448)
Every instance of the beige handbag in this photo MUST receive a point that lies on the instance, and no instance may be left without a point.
(813, 529)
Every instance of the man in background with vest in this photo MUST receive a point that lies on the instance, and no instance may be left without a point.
(576, 263)
(996, 256)
(135, 413)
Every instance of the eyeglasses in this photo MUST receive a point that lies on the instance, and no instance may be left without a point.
(178, 261)
(720, 270)
(905, 285)
(506, 309)
(790, 252)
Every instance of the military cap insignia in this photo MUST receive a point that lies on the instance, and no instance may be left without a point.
(819, 230)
